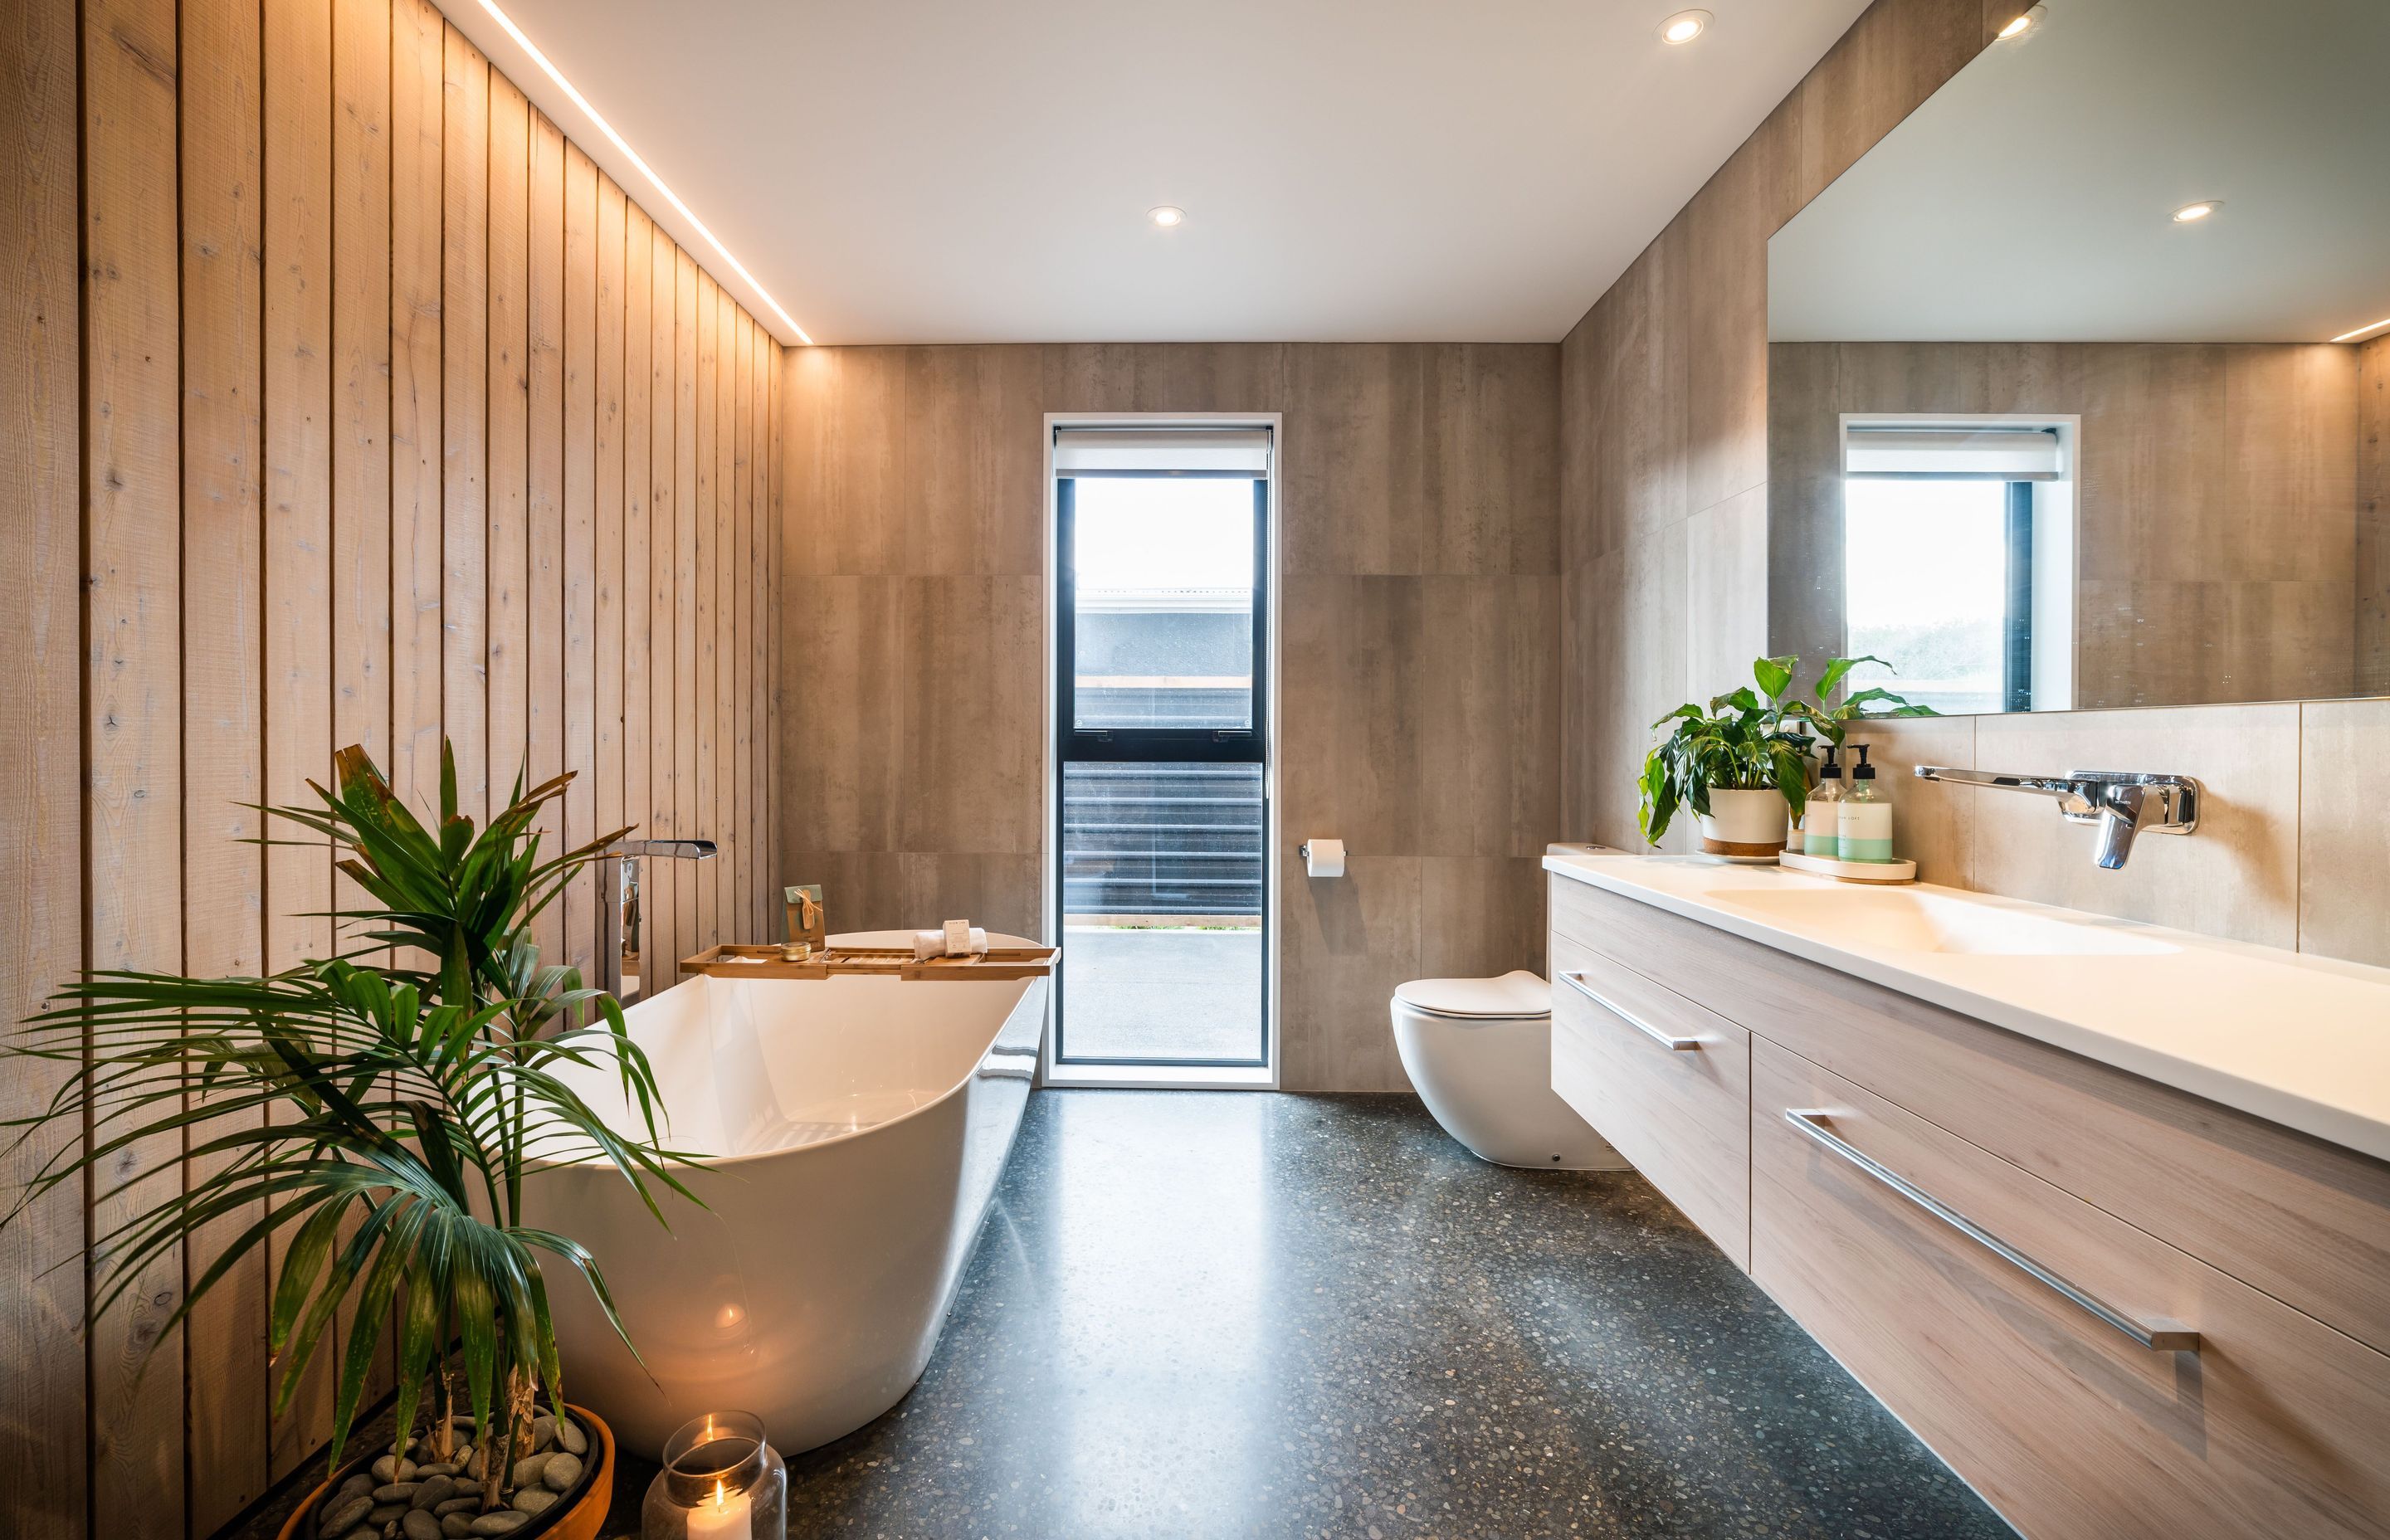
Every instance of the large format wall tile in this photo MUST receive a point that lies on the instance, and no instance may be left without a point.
(915, 460)
(843, 642)
(2237, 876)
(1351, 712)
(1486, 694)
(973, 689)
(2344, 829)
(1481, 916)
(1725, 594)
(1345, 943)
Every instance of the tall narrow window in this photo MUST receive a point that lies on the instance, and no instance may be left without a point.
(1162, 543)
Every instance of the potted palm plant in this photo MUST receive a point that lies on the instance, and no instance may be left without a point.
(378, 1111)
(1740, 764)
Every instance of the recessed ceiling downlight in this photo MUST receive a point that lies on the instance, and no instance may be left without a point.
(2023, 22)
(1166, 217)
(1685, 26)
(2192, 213)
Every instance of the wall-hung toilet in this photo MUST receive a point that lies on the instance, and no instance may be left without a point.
(1479, 1052)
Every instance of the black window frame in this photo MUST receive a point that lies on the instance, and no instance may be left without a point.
(1074, 744)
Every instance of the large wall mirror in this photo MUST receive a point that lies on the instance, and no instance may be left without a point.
(2079, 380)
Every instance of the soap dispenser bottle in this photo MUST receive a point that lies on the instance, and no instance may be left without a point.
(1864, 820)
(1820, 815)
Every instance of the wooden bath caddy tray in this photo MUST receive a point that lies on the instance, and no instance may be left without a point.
(996, 962)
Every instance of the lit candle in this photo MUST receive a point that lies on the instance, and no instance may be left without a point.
(723, 1516)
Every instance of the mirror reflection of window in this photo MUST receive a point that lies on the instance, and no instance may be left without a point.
(1926, 586)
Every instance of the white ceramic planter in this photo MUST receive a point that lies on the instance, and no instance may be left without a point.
(1744, 823)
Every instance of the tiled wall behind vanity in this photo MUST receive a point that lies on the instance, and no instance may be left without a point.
(2292, 847)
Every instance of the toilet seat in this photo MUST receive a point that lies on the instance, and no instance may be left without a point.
(1517, 995)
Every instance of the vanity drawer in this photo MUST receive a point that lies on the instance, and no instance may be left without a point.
(2069, 1427)
(1680, 1114)
(2306, 1221)
(1627, 932)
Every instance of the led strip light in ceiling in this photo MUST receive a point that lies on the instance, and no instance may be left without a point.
(646, 170)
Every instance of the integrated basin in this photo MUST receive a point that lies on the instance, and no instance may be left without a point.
(1896, 919)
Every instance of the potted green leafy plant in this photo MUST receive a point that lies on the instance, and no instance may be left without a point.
(377, 1112)
(1742, 762)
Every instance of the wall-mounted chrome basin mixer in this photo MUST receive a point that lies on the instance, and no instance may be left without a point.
(2123, 803)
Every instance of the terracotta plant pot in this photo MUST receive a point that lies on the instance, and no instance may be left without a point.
(1744, 823)
(578, 1518)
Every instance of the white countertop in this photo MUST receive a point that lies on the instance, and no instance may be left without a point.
(2297, 1040)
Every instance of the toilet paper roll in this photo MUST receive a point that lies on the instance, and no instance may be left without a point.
(1324, 857)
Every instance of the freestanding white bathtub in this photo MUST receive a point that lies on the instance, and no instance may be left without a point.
(858, 1126)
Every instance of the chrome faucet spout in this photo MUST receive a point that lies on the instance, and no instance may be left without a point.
(2125, 804)
(619, 872)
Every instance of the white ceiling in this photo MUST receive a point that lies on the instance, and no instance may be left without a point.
(2032, 197)
(962, 170)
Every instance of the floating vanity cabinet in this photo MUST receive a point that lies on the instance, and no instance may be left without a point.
(2270, 1423)
(1666, 1082)
(2115, 1307)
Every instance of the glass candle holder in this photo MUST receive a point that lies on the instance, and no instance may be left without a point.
(721, 1481)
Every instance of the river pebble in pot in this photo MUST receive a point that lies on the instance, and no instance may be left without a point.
(393, 1467)
(420, 1525)
(345, 1516)
(527, 1469)
(569, 1435)
(456, 1526)
(385, 1514)
(397, 1492)
(506, 1521)
(433, 1493)
(533, 1500)
(561, 1471)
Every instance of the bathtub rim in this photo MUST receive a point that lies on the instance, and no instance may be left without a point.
(1040, 987)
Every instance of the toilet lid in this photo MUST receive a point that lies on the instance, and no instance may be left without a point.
(1518, 992)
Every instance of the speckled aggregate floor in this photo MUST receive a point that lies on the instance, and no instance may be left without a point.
(1226, 1315)
(1209, 1315)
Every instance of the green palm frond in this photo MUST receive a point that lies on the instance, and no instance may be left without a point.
(377, 1110)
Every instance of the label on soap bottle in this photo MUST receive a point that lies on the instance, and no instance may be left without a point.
(1865, 830)
(1820, 831)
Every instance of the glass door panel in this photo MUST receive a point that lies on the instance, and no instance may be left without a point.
(1162, 807)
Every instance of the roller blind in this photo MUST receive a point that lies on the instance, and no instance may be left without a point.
(2021, 454)
(1079, 451)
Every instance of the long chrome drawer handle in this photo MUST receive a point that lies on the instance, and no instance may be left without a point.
(1665, 1040)
(2157, 1335)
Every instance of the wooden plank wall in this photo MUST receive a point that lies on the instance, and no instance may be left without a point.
(343, 401)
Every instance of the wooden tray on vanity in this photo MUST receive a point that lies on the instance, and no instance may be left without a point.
(765, 962)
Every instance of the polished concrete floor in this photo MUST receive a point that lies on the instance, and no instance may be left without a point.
(1217, 1314)
(1235, 1315)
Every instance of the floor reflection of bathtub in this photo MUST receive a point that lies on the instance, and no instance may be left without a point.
(860, 1125)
